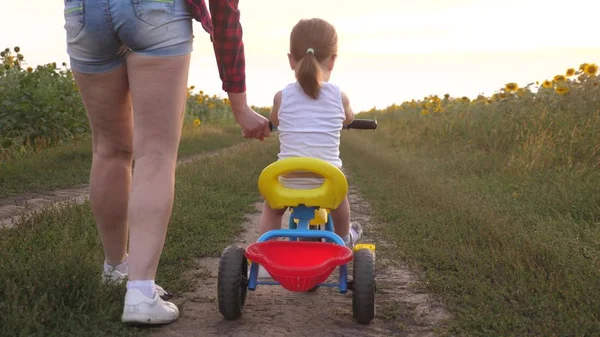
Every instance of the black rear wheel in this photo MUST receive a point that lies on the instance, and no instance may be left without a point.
(363, 286)
(232, 284)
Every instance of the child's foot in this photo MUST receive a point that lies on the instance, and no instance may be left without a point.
(141, 309)
(354, 234)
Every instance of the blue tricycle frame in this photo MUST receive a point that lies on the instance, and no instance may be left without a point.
(304, 215)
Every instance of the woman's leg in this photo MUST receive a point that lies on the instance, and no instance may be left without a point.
(108, 105)
(158, 91)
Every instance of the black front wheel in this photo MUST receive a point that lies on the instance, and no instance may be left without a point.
(232, 284)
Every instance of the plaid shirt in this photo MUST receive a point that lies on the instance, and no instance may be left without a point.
(223, 25)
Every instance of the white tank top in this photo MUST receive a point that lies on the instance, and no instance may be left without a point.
(308, 127)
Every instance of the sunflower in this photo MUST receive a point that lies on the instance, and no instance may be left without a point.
(197, 122)
(559, 78)
(570, 72)
(465, 99)
(591, 69)
(583, 66)
(511, 87)
(200, 99)
(547, 84)
(424, 112)
(562, 90)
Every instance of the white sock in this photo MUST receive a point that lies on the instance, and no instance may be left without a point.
(146, 287)
(122, 267)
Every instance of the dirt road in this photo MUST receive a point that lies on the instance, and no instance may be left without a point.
(272, 311)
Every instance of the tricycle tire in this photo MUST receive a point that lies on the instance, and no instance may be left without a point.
(232, 283)
(363, 286)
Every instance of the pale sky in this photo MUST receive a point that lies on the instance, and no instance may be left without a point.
(389, 51)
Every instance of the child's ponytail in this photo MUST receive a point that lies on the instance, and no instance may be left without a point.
(312, 41)
(309, 74)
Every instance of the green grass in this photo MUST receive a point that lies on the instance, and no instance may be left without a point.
(51, 261)
(509, 254)
(69, 165)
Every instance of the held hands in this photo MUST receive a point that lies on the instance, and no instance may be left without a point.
(253, 124)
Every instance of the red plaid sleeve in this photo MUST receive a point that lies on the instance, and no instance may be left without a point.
(226, 35)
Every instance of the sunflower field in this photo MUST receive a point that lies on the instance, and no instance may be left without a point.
(553, 124)
(215, 110)
(38, 107)
(41, 107)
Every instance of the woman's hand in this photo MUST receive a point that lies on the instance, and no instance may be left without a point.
(253, 124)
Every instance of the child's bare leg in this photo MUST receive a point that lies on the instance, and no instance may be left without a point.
(341, 224)
(341, 218)
(270, 219)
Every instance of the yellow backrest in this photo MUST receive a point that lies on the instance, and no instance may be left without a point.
(329, 195)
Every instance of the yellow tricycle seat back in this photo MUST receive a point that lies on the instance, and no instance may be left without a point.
(329, 195)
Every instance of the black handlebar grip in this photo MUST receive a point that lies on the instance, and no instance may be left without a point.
(364, 124)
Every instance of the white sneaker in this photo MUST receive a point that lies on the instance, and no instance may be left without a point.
(114, 276)
(141, 309)
(354, 235)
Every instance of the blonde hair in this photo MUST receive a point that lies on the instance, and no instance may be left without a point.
(311, 42)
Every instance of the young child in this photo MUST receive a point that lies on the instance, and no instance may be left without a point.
(309, 115)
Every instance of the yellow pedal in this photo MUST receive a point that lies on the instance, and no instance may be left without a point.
(368, 246)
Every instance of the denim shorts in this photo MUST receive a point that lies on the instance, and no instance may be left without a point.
(100, 33)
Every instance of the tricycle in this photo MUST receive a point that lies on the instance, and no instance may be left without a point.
(312, 251)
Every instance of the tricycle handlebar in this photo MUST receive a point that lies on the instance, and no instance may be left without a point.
(361, 124)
